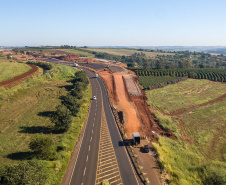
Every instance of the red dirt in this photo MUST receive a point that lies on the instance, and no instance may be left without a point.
(19, 78)
(182, 111)
(136, 113)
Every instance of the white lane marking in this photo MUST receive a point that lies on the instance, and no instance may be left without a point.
(94, 118)
(95, 112)
(91, 139)
(92, 130)
(87, 158)
(84, 171)
(93, 124)
(89, 148)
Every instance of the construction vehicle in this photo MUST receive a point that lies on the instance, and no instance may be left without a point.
(136, 138)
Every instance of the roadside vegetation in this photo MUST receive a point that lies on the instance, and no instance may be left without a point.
(41, 122)
(11, 69)
(198, 155)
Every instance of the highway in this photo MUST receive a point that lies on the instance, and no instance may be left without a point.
(85, 168)
(128, 174)
(84, 172)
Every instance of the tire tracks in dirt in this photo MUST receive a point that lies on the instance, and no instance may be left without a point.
(19, 78)
(182, 111)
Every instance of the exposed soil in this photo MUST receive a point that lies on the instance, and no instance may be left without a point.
(117, 69)
(19, 78)
(188, 109)
(137, 116)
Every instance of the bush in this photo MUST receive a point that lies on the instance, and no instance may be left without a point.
(29, 172)
(81, 76)
(42, 147)
(72, 104)
(62, 118)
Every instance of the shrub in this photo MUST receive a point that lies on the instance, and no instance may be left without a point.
(72, 104)
(62, 118)
(29, 172)
(42, 147)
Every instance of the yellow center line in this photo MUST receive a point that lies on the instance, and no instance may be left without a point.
(108, 171)
(115, 181)
(108, 175)
(107, 163)
(106, 167)
(109, 153)
(107, 157)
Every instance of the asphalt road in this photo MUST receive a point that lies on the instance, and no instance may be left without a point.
(86, 164)
(84, 172)
(128, 174)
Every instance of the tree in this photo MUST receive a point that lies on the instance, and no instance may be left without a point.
(62, 118)
(146, 64)
(72, 104)
(159, 64)
(28, 172)
(42, 147)
(16, 50)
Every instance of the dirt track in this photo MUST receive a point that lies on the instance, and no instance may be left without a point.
(181, 111)
(19, 78)
(134, 110)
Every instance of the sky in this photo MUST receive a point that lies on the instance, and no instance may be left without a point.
(113, 23)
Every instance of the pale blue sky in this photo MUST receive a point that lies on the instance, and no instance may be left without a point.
(113, 23)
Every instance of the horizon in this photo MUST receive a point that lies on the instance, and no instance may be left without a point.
(118, 23)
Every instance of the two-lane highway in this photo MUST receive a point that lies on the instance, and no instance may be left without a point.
(85, 168)
(84, 172)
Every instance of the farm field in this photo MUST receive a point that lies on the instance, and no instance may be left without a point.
(126, 52)
(25, 112)
(184, 94)
(198, 156)
(11, 69)
(78, 52)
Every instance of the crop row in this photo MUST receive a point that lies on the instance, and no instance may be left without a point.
(210, 74)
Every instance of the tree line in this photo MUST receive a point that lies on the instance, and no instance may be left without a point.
(44, 148)
(210, 74)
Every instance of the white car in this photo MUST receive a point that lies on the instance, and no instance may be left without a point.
(94, 97)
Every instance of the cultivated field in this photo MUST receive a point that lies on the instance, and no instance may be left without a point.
(199, 154)
(25, 112)
(11, 69)
(126, 52)
(184, 94)
(78, 52)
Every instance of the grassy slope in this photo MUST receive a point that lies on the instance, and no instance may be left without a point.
(25, 112)
(184, 94)
(77, 52)
(126, 52)
(11, 69)
(186, 162)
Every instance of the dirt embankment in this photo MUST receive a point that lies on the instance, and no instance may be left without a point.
(134, 112)
(19, 78)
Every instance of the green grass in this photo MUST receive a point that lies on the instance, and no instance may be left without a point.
(184, 94)
(25, 111)
(186, 165)
(78, 52)
(206, 127)
(10, 69)
(202, 160)
(126, 52)
(146, 81)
